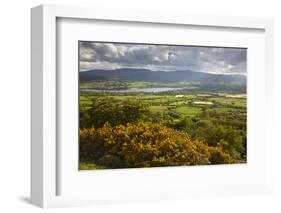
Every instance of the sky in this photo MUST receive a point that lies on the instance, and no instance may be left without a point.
(217, 60)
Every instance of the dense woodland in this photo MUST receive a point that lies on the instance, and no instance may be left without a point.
(200, 124)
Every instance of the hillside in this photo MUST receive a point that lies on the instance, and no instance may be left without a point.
(159, 76)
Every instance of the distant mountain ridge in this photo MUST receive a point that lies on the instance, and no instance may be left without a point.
(159, 76)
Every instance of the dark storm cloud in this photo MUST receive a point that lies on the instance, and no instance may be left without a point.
(94, 55)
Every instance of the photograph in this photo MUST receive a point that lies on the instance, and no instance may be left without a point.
(160, 105)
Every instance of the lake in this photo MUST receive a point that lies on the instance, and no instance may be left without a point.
(148, 90)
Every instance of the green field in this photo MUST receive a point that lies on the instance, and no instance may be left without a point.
(189, 111)
(185, 104)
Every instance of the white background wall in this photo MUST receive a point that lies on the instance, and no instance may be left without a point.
(15, 99)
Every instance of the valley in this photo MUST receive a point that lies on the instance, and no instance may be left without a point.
(209, 112)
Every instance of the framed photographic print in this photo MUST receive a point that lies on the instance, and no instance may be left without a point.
(143, 105)
(130, 106)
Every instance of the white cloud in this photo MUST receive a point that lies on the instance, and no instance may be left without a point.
(95, 55)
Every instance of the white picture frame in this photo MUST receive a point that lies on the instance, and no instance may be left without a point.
(44, 153)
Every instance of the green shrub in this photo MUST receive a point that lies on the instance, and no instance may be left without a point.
(113, 111)
(110, 161)
(218, 156)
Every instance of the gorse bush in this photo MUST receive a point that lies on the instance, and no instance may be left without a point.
(145, 145)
